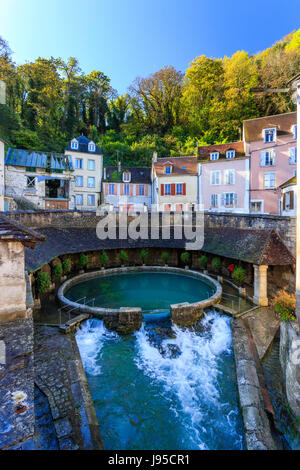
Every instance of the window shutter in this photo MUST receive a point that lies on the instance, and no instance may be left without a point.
(162, 189)
(106, 188)
(184, 189)
(216, 200)
(172, 189)
(222, 200)
(291, 199)
(262, 158)
(131, 189)
(115, 189)
(283, 201)
(146, 190)
(274, 157)
(212, 200)
(122, 190)
(235, 199)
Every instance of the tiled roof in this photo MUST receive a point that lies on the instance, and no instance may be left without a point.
(180, 166)
(34, 159)
(140, 175)
(205, 151)
(283, 122)
(13, 231)
(83, 146)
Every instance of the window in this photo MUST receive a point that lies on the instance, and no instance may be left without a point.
(288, 200)
(79, 163)
(269, 135)
(167, 207)
(179, 207)
(167, 189)
(30, 182)
(111, 188)
(179, 188)
(79, 181)
(91, 164)
(229, 176)
(91, 182)
(215, 177)
(230, 154)
(293, 156)
(91, 199)
(256, 206)
(269, 180)
(74, 145)
(214, 156)
(141, 190)
(168, 170)
(230, 199)
(214, 200)
(126, 176)
(92, 147)
(126, 189)
(79, 199)
(267, 158)
(294, 130)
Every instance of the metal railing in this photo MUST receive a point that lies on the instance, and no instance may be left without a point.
(232, 297)
(64, 307)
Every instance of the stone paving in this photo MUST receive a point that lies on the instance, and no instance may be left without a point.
(263, 325)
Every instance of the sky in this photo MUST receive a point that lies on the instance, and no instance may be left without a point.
(129, 38)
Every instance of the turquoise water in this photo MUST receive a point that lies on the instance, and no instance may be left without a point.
(165, 387)
(148, 290)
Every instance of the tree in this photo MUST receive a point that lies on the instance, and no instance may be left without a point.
(117, 111)
(5, 50)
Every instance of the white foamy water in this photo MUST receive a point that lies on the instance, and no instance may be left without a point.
(90, 339)
(192, 376)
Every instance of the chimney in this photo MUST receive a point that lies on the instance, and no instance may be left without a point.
(104, 173)
(154, 157)
(119, 166)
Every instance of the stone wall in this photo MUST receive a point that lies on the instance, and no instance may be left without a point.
(12, 281)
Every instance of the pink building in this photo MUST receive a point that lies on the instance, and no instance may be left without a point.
(271, 144)
(224, 177)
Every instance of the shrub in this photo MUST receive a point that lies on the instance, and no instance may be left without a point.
(284, 305)
(103, 258)
(216, 262)
(57, 271)
(123, 256)
(165, 256)
(239, 275)
(42, 282)
(185, 257)
(203, 260)
(83, 259)
(66, 265)
(144, 255)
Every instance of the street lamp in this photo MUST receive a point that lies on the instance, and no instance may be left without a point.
(294, 88)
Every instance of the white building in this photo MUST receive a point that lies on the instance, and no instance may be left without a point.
(289, 197)
(88, 168)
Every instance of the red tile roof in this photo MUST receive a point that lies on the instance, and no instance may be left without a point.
(205, 150)
(180, 166)
(283, 122)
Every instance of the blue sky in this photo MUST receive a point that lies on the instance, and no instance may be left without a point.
(129, 38)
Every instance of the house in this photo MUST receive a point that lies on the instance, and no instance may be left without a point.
(224, 177)
(42, 180)
(175, 183)
(127, 188)
(88, 167)
(13, 240)
(271, 143)
(2, 143)
(289, 197)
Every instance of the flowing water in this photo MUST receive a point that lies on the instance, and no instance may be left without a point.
(164, 387)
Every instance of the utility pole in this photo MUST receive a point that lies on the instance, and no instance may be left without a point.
(294, 88)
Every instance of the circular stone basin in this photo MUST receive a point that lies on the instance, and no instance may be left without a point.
(150, 290)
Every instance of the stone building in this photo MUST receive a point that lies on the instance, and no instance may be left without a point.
(224, 177)
(88, 168)
(42, 180)
(13, 240)
(127, 188)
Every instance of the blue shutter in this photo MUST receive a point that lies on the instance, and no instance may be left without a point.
(262, 158)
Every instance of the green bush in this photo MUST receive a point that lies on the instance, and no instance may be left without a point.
(203, 260)
(144, 255)
(103, 258)
(83, 259)
(185, 257)
(66, 265)
(123, 257)
(284, 305)
(57, 271)
(239, 275)
(216, 262)
(165, 256)
(42, 282)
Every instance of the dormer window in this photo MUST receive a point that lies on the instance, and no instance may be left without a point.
(269, 135)
(294, 131)
(214, 156)
(74, 144)
(168, 170)
(230, 154)
(126, 176)
(92, 147)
